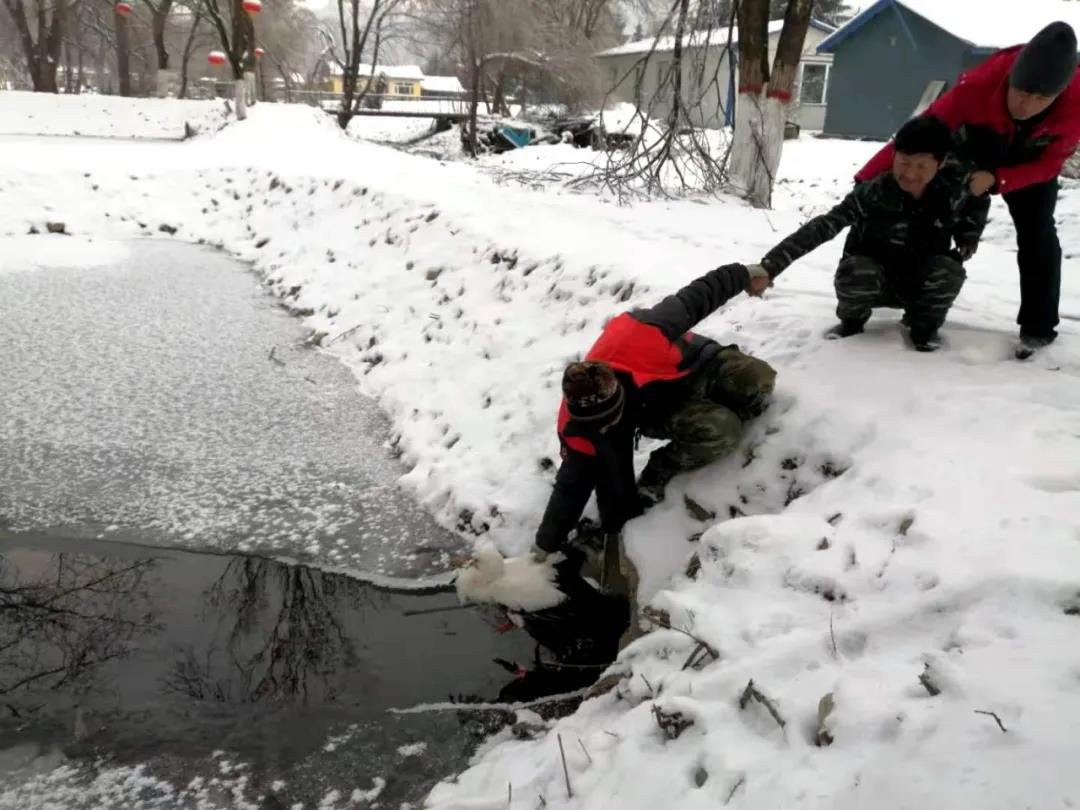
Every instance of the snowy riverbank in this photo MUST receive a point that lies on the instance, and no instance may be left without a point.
(895, 515)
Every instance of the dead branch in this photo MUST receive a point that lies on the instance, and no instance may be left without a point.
(751, 692)
(565, 770)
(662, 621)
(996, 719)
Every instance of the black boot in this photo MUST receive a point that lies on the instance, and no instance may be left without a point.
(1029, 344)
(846, 328)
(925, 340)
(653, 482)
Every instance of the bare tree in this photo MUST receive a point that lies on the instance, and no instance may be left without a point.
(194, 38)
(362, 30)
(50, 20)
(677, 146)
(237, 38)
(764, 99)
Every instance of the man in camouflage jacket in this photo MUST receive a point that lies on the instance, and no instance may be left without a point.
(911, 231)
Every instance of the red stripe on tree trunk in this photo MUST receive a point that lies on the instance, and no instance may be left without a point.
(782, 95)
(751, 88)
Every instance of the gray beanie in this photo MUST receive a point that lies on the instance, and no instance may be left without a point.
(1047, 64)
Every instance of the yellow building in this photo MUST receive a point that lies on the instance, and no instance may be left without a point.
(392, 81)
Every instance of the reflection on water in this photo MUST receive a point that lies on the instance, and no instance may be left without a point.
(62, 617)
(274, 634)
(114, 654)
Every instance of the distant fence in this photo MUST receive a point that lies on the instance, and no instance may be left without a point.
(387, 104)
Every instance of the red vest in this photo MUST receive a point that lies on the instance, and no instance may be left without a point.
(634, 348)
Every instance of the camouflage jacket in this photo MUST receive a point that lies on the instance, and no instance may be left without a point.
(890, 225)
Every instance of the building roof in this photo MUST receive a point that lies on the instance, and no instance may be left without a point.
(717, 37)
(988, 24)
(442, 84)
(403, 72)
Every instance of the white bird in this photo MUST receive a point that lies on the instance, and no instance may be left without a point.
(516, 583)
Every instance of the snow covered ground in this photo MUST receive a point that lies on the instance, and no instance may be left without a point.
(97, 116)
(894, 516)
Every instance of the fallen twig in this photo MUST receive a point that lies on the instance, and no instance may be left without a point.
(446, 609)
(586, 750)
(832, 635)
(996, 719)
(651, 690)
(735, 787)
(565, 770)
(662, 621)
(751, 692)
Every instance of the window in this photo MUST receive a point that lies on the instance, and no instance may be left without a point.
(814, 83)
(402, 89)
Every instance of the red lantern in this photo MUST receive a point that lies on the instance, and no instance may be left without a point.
(123, 9)
(259, 53)
(252, 6)
(216, 58)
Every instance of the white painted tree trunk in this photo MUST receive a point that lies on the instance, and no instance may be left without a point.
(249, 83)
(759, 139)
(240, 99)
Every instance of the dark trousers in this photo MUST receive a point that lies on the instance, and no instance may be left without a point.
(731, 389)
(1039, 257)
(925, 290)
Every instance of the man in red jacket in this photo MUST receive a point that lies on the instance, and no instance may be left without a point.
(1017, 117)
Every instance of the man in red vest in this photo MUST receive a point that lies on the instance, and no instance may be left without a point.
(648, 374)
(1017, 117)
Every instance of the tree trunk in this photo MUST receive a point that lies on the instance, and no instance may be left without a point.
(42, 57)
(68, 72)
(159, 19)
(123, 54)
(764, 100)
(240, 98)
(750, 104)
(189, 46)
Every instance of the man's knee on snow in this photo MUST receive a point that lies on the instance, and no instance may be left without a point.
(859, 276)
(945, 272)
(702, 433)
(742, 383)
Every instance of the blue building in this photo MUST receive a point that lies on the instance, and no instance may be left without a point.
(897, 56)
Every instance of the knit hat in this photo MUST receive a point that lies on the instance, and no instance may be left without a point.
(924, 135)
(592, 392)
(1047, 64)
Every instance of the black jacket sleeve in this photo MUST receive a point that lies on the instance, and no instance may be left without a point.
(679, 313)
(972, 220)
(816, 233)
(574, 483)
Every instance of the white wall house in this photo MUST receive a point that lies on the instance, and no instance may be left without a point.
(709, 88)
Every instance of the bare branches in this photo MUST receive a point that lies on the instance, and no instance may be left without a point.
(672, 150)
(996, 719)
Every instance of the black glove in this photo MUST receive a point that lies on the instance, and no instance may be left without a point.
(965, 250)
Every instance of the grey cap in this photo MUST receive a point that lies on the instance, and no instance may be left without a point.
(1047, 64)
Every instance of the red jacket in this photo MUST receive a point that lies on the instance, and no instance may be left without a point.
(978, 101)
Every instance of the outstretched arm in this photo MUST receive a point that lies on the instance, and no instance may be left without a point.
(574, 484)
(679, 313)
(813, 234)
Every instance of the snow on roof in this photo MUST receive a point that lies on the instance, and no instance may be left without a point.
(695, 39)
(404, 72)
(442, 84)
(717, 37)
(980, 23)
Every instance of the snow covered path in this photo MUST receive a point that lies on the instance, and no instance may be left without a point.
(894, 515)
(154, 392)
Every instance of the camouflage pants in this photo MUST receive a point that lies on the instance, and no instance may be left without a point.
(732, 388)
(925, 292)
